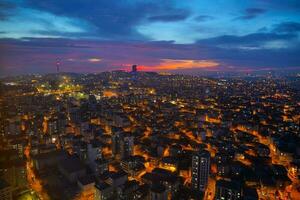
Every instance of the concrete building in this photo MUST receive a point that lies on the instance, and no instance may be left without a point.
(158, 192)
(200, 170)
(5, 190)
(72, 168)
(94, 152)
(104, 191)
(228, 190)
(126, 146)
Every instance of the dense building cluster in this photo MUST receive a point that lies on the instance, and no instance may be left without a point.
(144, 135)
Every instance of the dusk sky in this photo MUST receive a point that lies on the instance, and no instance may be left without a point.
(185, 36)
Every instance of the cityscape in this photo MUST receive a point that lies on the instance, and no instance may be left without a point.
(139, 135)
(149, 100)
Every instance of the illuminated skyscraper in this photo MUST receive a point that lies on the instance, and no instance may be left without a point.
(200, 170)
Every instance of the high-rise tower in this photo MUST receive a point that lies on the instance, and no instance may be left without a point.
(134, 68)
(57, 65)
(126, 146)
(200, 170)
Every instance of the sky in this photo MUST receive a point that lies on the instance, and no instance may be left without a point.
(190, 36)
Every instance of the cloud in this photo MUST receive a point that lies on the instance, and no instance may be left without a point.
(7, 5)
(177, 64)
(94, 60)
(179, 16)
(28, 22)
(113, 19)
(290, 5)
(255, 11)
(252, 41)
(251, 13)
(121, 33)
(38, 55)
(287, 27)
(6, 8)
(202, 18)
(134, 19)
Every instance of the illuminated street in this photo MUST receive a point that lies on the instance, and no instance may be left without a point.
(33, 181)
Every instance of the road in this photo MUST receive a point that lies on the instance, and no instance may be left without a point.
(33, 181)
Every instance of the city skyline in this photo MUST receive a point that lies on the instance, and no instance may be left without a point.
(149, 136)
(149, 99)
(173, 36)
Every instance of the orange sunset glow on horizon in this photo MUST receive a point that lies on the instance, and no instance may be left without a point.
(177, 64)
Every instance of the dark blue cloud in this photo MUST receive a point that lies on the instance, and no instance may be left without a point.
(5, 9)
(250, 39)
(113, 19)
(287, 27)
(202, 18)
(65, 34)
(291, 5)
(170, 17)
(251, 13)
